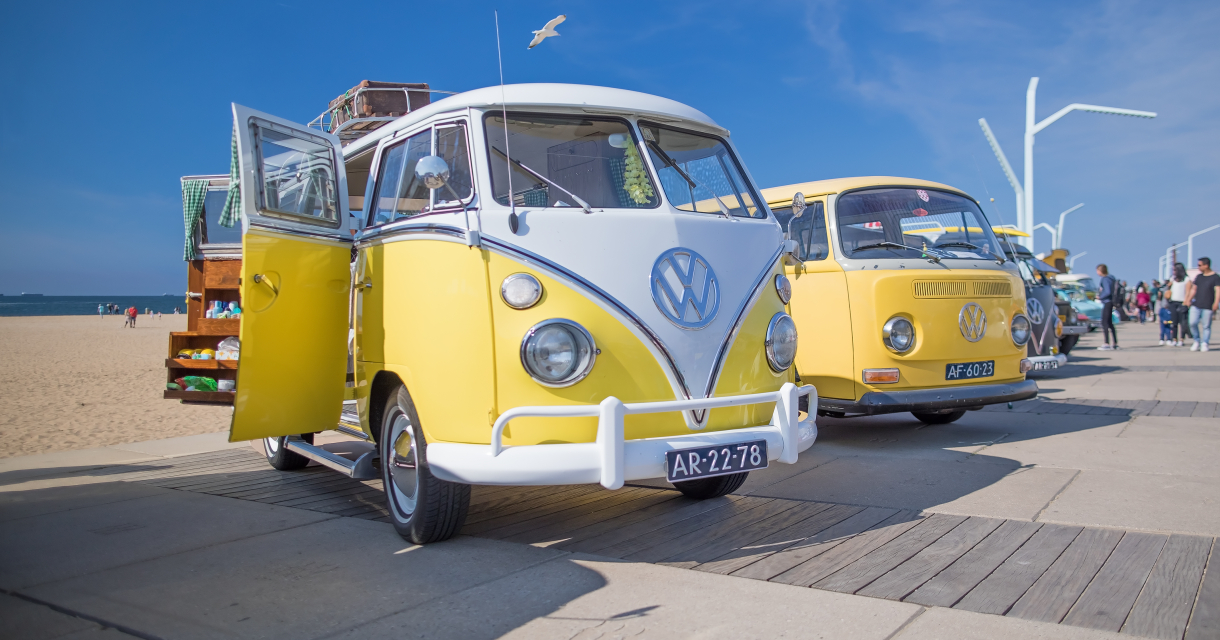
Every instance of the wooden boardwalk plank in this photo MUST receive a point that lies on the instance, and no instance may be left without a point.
(742, 509)
(562, 531)
(1205, 619)
(1204, 410)
(1000, 590)
(582, 500)
(594, 538)
(1050, 598)
(1163, 607)
(499, 499)
(1104, 605)
(837, 553)
(532, 502)
(744, 535)
(968, 571)
(901, 581)
(240, 483)
(777, 553)
(860, 573)
(575, 508)
(323, 482)
(1183, 409)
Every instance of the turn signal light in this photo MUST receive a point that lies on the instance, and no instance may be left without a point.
(880, 376)
(1026, 365)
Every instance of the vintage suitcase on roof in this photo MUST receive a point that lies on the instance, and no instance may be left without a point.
(372, 99)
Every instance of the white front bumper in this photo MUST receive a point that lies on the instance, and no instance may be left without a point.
(612, 460)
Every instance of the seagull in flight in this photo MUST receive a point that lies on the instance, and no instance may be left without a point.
(547, 31)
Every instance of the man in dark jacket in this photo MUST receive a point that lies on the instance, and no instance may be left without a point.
(1107, 294)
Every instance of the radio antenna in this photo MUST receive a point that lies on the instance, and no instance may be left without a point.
(508, 163)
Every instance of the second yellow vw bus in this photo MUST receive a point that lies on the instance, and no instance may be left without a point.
(536, 284)
(902, 299)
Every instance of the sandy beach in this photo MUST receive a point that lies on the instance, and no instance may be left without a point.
(77, 382)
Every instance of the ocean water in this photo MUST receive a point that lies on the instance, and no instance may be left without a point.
(84, 305)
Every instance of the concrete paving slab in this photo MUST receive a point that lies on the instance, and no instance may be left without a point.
(63, 463)
(1020, 495)
(15, 505)
(1179, 429)
(900, 483)
(1152, 502)
(183, 446)
(1102, 391)
(590, 597)
(63, 544)
(27, 620)
(936, 623)
(1142, 455)
(1203, 394)
(306, 582)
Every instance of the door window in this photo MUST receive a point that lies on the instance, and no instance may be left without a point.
(809, 230)
(296, 175)
(400, 194)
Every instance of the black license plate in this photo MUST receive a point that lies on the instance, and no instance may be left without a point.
(968, 370)
(705, 462)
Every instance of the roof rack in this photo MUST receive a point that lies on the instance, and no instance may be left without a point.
(370, 105)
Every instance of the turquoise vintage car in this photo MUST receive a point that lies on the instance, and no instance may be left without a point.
(1086, 309)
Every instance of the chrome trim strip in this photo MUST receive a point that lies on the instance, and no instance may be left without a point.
(389, 232)
(348, 430)
(731, 335)
(538, 261)
(293, 231)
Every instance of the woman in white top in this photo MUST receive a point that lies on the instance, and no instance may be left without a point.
(1175, 299)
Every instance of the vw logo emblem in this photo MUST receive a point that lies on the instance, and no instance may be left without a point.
(1035, 311)
(685, 288)
(973, 322)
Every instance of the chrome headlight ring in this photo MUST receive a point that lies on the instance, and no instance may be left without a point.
(780, 345)
(783, 287)
(898, 334)
(558, 353)
(1020, 330)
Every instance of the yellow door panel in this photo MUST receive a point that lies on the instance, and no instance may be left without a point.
(294, 320)
(822, 313)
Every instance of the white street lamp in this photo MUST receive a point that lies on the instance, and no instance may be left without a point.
(1190, 244)
(1008, 172)
(1054, 233)
(1026, 220)
(1169, 258)
(1072, 260)
(1059, 235)
(1160, 267)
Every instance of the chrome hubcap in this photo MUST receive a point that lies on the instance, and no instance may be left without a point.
(272, 445)
(403, 470)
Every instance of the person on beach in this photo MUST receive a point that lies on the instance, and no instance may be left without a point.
(132, 314)
(99, 311)
(1175, 299)
(1204, 295)
(1108, 295)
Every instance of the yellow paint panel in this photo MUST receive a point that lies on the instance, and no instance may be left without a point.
(293, 335)
(820, 308)
(625, 368)
(427, 315)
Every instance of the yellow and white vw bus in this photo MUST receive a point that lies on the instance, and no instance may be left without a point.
(556, 284)
(903, 299)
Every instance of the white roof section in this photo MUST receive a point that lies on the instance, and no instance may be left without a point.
(589, 98)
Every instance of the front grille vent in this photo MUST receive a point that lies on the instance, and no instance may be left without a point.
(940, 289)
(993, 288)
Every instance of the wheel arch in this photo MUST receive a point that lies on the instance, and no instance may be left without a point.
(384, 383)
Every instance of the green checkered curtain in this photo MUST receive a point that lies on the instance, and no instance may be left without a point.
(194, 192)
(232, 211)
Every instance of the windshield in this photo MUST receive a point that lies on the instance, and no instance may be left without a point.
(1029, 274)
(699, 173)
(907, 223)
(567, 161)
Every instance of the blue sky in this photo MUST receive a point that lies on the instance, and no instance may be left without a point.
(108, 104)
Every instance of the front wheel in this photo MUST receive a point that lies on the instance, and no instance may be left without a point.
(422, 507)
(279, 457)
(705, 488)
(938, 417)
(1067, 342)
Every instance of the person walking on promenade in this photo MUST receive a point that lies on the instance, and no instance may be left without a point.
(1120, 300)
(1142, 300)
(1204, 295)
(1108, 295)
(1175, 299)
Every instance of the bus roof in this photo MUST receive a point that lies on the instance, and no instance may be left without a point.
(782, 196)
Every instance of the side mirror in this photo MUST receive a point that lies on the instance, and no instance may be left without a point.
(432, 171)
(798, 205)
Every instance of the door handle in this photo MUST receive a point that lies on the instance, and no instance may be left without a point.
(262, 279)
(365, 285)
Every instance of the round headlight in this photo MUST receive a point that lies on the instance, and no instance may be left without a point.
(898, 334)
(781, 342)
(1058, 327)
(1020, 330)
(558, 353)
(521, 291)
(783, 287)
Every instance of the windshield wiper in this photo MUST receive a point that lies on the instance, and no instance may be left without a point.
(583, 205)
(994, 256)
(689, 180)
(886, 243)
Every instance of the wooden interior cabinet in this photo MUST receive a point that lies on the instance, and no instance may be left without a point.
(214, 279)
